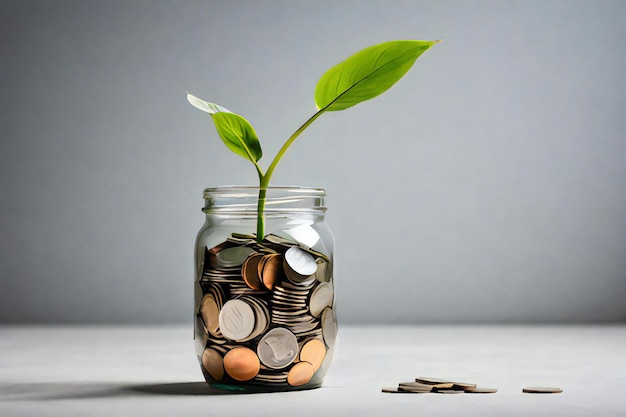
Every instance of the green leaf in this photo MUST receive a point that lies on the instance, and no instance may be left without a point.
(367, 74)
(236, 132)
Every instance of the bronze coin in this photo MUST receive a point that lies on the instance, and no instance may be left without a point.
(272, 273)
(242, 364)
(213, 363)
(250, 273)
(313, 352)
(300, 374)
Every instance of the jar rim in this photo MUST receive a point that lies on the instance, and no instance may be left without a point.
(241, 199)
(252, 190)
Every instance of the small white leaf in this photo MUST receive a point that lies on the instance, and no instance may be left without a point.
(205, 106)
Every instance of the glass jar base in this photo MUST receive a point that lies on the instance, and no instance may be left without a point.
(251, 388)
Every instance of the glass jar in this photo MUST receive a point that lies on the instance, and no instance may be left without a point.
(264, 310)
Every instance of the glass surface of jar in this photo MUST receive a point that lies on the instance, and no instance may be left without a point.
(264, 311)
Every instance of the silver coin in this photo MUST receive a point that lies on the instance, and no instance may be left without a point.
(261, 323)
(329, 327)
(542, 390)
(234, 256)
(278, 348)
(278, 240)
(236, 319)
(394, 390)
(414, 387)
(322, 270)
(321, 297)
(480, 390)
(300, 261)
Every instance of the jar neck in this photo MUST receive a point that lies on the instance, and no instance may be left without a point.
(243, 200)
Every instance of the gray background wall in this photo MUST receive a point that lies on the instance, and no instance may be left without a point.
(487, 186)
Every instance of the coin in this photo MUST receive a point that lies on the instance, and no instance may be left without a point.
(322, 270)
(321, 297)
(242, 364)
(236, 319)
(261, 317)
(277, 348)
(395, 390)
(279, 240)
(441, 383)
(462, 385)
(210, 258)
(234, 256)
(242, 236)
(300, 261)
(300, 374)
(479, 390)
(271, 377)
(272, 271)
(447, 391)
(329, 327)
(210, 311)
(250, 272)
(414, 387)
(213, 363)
(542, 390)
(313, 352)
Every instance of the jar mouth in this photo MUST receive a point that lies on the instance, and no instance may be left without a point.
(251, 190)
(244, 199)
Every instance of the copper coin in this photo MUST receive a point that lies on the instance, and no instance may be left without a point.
(242, 364)
(313, 352)
(250, 272)
(213, 363)
(272, 272)
(300, 374)
(542, 390)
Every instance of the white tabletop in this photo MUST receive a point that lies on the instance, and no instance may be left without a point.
(152, 371)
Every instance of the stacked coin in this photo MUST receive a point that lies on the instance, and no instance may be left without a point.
(300, 266)
(289, 309)
(436, 385)
(267, 309)
(244, 318)
(212, 303)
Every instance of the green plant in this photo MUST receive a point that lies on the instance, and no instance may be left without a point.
(361, 77)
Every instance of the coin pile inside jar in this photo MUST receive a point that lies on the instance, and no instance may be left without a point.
(266, 312)
(423, 385)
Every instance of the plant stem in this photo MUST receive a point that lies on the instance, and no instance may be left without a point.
(279, 155)
(264, 179)
(260, 219)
